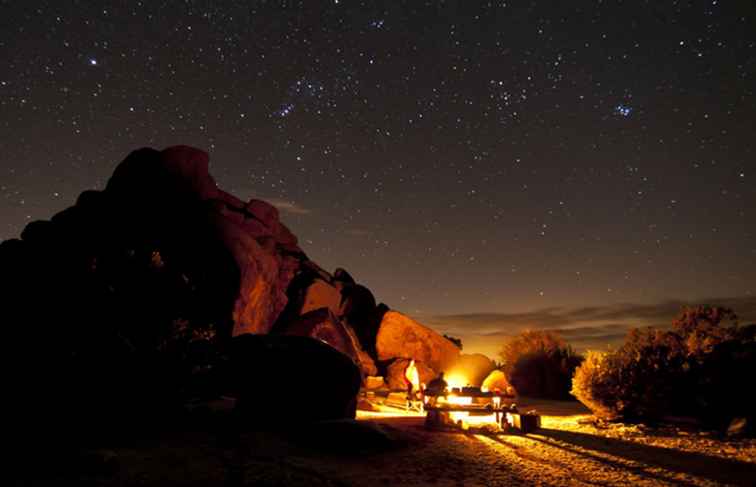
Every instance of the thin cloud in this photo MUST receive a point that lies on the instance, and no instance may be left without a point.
(584, 327)
(287, 206)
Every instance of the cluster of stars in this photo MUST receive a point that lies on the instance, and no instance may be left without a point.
(498, 154)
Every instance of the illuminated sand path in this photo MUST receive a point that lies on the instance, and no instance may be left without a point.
(564, 452)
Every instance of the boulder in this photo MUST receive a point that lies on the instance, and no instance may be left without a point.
(374, 382)
(268, 258)
(320, 294)
(281, 380)
(177, 172)
(342, 278)
(395, 374)
(399, 336)
(496, 380)
(264, 277)
(267, 215)
(474, 368)
(357, 305)
(321, 324)
(358, 308)
(738, 427)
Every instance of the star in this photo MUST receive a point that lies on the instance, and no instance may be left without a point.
(623, 110)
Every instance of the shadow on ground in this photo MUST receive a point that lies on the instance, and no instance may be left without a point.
(691, 463)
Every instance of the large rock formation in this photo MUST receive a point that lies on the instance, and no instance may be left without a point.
(265, 251)
(400, 336)
(126, 303)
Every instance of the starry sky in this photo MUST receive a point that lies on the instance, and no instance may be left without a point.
(484, 166)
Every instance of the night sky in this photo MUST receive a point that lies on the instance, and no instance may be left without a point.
(483, 166)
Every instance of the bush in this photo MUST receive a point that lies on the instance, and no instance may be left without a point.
(539, 364)
(695, 369)
(635, 381)
(595, 385)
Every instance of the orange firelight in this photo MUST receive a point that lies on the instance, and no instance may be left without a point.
(412, 375)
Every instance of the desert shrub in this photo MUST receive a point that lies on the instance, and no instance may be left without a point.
(695, 369)
(636, 380)
(539, 364)
(456, 341)
(595, 384)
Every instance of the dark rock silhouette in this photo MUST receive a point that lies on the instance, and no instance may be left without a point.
(342, 276)
(323, 325)
(124, 306)
(318, 381)
(106, 303)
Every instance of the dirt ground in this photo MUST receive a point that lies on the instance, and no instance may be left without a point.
(394, 449)
(567, 452)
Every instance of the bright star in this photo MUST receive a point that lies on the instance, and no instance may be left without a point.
(623, 110)
(284, 111)
(92, 62)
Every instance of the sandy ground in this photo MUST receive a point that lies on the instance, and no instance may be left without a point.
(394, 449)
(566, 452)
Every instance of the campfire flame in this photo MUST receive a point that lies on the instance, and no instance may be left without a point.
(457, 381)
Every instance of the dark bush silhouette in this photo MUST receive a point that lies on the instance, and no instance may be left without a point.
(539, 364)
(455, 341)
(695, 369)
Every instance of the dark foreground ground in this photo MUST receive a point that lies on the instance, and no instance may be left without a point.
(393, 449)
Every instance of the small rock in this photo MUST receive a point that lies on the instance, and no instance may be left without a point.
(738, 427)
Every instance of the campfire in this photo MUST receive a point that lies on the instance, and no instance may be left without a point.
(467, 407)
(455, 402)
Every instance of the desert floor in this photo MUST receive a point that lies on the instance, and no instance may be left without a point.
(394, 449)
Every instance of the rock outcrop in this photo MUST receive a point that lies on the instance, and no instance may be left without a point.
(127, 303)
(268, 259)
(265, 251)
(323, 325)
(399, 336)
(321, 294)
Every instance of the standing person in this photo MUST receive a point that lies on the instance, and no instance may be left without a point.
(436, 387)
